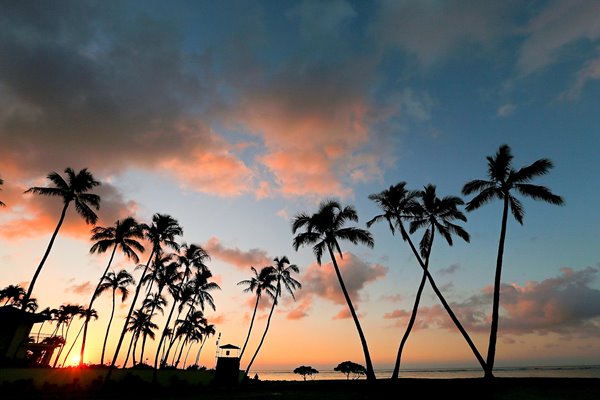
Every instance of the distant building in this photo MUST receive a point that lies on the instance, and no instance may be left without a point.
(17, 347)
(228, 364)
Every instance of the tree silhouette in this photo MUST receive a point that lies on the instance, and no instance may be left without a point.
(282, 272)
(73, 190)
(349, 367)
(114, 282)
(503, 181)
(12, 294)
(162, 231)
(322, 230)
(124, 236)
(305, 370)
(260, 282)
(398, 205)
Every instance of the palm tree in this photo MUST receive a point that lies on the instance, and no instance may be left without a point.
(435, 214)
(190, 256)
(261, 282)
(161, 232)
(140, 324)
(48, 313)
(2, 183)
(73, 190)
(282, 272)
(123, 235)
(208, 330)
(152, 303)
(12, 294)
(189, 328)
(503, 181)
(114, 282)
(87, 314)
(69, 312)
(399, 204)
(323, 230)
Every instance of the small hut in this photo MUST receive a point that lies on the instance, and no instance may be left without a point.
(228, 364)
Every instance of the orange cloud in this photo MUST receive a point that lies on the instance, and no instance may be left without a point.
(236, 257)
(30, 216)
(82, 288)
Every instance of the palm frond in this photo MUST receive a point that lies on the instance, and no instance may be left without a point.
(537, 192)
(516, 209)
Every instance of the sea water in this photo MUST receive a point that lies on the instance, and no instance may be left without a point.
(588, 371)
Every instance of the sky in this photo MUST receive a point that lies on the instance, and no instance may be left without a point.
(234, 116)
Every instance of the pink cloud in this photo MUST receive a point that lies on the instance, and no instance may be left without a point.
(300, 309)
(236, 257)
(82, 288)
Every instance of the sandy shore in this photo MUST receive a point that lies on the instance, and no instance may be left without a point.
(498, 389)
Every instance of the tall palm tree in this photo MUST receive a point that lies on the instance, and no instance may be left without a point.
(189, 329)
(140, 324)
(190, 256)
(48, 313)
(503, 182)
(73, 190)
(161, 232)
(69, 311)
(260, 282)
(323, 230)
(398, 205)
(2, 183)
(435, 214)
(87, 314)
(114, 282)
(124, 236)
(282, 272)
(155, 302)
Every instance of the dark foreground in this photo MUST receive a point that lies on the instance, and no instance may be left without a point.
(462, 389)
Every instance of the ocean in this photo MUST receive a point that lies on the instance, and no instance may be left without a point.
(587, 371)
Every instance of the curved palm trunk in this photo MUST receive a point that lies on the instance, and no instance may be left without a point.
(187, 353)
(491, 355)
(363, 340)
(251, 324)
(88, 316)
(129, 351)
(71, 348)
(43, 261)
(409, 327)
(112, 313)
(39, 331)
(124, 331)
(199, 351)
(66, 333)
(262, 339)
(180, 352)
(445, 304)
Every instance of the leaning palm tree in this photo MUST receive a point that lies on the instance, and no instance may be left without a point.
(398, 205)
(140, 324)
(435, 214)
(503, 182)
(282, 272)
(73, 190)
(162, 231)
(124, 236)
(87, 314)
(208, 330)
(69, 311)
(12, 294)
(114, 282)
(2, 183)
(323, 230)
(261, 282)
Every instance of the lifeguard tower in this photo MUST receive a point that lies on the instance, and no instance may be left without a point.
(228, 364)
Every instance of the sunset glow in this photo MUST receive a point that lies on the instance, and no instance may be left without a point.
(234, 117)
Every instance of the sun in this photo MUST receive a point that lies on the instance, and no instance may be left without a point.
(75, 360)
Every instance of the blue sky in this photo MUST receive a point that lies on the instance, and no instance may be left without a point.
(234, 116)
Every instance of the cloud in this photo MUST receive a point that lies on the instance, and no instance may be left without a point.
(256, 258)
(449, 270)
(321, 281)
(394, 298)
(301, 308)
(321, 20)
(590, 71)
(408, 26)
(506, 110)
(82, 288)
(560, 24)
(31, 215)
(565, 304)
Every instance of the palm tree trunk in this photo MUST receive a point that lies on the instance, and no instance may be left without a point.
(39, 268)
(251, 324)
(129, 350)
(363, 340)
(39, 331)
(71, 348)
(262, 339)
(112, 313)
(180, 352)
(66, 333)
(445, 304)
(199, 351)
(88, 316)
(162, 339)
(137, 292)
(187, 353)
(491, 355)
